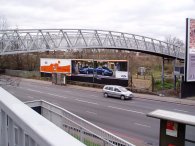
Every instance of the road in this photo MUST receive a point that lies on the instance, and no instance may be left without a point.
(126, 119)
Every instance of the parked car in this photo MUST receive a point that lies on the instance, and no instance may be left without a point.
(86, 70)
(117, 91)
(104, 71)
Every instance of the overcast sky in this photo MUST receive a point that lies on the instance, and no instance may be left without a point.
(152, 18)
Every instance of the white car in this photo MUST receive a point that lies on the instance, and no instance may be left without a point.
(117, 91)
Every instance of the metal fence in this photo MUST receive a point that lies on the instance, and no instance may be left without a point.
(21, 126)
(77, 126)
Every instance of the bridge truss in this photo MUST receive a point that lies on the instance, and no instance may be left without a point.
(38, 40)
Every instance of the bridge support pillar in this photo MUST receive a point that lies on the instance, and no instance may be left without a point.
(175, 77)
(162, 74)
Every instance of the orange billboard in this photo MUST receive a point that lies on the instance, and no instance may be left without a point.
(52, 65)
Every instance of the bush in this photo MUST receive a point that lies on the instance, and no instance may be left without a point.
(167, 85)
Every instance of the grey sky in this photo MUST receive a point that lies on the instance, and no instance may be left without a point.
(153, 18)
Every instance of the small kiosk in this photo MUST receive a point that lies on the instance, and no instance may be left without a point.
(173, 128)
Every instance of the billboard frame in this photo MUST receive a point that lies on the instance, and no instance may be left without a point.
(190, 53)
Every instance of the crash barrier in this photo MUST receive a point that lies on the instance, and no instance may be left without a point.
(21, 126)
(77, 126)
(176, 129)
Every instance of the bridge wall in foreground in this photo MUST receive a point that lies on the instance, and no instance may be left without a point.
(21, 126)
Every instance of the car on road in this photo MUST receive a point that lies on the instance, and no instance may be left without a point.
(86, 70)
(117, 92)
(104, 71)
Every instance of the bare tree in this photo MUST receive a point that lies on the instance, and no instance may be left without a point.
(3, 23)
(174, 40)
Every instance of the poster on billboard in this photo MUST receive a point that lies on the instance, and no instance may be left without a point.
(100, 68)
(190, 51)
(171, 128)
(52, 65)
(122, 74)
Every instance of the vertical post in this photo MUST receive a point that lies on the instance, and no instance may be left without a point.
(104, 143)
(175, 79)
(11, 132)
(81, 135)
(152, 78)
(1, 119)
(162, 74)
(31, 142)
(130, 81)
(64, 79)
(4, 133)
(93, 71)
(21, 140)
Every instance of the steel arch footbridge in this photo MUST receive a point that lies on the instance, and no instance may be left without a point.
(36, 40)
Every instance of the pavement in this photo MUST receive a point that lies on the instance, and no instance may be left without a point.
(187, 101)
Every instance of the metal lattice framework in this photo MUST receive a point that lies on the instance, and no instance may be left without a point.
(31, 40)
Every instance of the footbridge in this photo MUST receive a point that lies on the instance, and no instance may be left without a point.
(38, 40)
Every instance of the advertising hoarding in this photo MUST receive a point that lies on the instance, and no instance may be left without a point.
(51, 65)
(121, 74)
(190, 51)
(171, 128)
(86, 70)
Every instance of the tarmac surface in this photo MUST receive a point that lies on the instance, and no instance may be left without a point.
(178, 100)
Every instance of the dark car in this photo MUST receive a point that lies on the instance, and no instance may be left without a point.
(86, 70)
(104, 71)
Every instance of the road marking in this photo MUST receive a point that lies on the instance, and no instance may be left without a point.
(143, 125)
(33, 90)
(181, 110)
(94, 96)
(56, 95)
(47, 93)
(30, 97)
(91, 112)
(133, 111)
(87, 101)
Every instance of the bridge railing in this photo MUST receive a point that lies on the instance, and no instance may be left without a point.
(77, 126)
(21, 126)
(22, 41)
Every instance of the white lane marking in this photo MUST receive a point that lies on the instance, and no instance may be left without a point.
(33, 90)
(56, 95)
(143, 125)
(46, 93)
(94, 95)
(132, 102)
(181, 110)
(133, 111)
(30, 97)
(86, 101)
(91, 112)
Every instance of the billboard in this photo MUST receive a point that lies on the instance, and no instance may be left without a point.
(100, 68)
(51, 65)
(190, 50)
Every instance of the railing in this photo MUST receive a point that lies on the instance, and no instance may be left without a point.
(21, 126)
(35, 40)
(77, 126)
